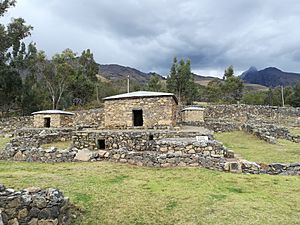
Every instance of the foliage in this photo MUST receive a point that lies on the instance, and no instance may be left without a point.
(295, 96)
(230, 90)
(138, 195)
(12, 50)
(180, 81)
(154, 84)
(254, 98)
(228, 73)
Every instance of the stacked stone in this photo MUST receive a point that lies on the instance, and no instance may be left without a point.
(93, 118)
(34, 154)
(33, 206)
(243, 113)
(10, 124)
(269, 132)
(292, 169)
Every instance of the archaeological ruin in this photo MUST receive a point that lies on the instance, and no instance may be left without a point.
(140, 109)
(149, 129)
(52, 119)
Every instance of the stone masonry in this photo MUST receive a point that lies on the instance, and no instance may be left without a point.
(33, 206)
(157, 112)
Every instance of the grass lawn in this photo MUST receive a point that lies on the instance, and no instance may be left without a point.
(112, 193)
(251, 148)
(295, 131)
(3, 142)
(59, 144)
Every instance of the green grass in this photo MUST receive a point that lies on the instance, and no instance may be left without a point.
(251, 148)
(295, 131)
(112, 193)
(3, 142)
(59, 144)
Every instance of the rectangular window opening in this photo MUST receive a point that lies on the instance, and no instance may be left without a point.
(137, 117)
(151, 137)
(101, 144)
(47, 122)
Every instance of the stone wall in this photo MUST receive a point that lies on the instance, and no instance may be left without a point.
(243, 113)
(56, 120)
(269, 132)
(247, 167)
(33, 206)
(25, 146)
(10, 124)
(192, 115)
(93, 118)
(157, 112)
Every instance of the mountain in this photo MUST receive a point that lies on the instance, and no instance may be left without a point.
(270, 77)
(114, 72)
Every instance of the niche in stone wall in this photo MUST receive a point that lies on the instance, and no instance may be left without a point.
(47, 122)
(101, 143)
(137, 117)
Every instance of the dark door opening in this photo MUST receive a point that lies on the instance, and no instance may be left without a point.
(47, 122)
(101, 144)
(137, 117)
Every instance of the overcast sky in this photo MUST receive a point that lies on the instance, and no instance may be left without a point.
(147, 34)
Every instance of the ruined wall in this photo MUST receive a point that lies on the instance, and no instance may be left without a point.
(93, 118)
(193, 115)
(243, 113)
(10, 124)
(56, 120)
(33, 206)
(157, 112)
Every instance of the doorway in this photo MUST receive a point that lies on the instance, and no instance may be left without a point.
(47, 122)
(137, 117)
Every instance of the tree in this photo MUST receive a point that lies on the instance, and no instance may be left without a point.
(88, 66)
(228, 73)
(295, 97)
(58, 74)
(232, 87)
(154, 83)
(181, 81)
(214, 90)
(12, 51)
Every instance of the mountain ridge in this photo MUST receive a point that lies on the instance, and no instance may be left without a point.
(270, 77)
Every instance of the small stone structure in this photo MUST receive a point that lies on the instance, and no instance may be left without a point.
(52, 119)
(140, 109)
(33, 206)
(192, 114)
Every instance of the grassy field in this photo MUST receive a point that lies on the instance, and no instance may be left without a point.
(112, 193)
(295, 131)
(251, 148)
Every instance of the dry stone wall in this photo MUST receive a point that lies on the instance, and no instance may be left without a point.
(33, 206)
(93, 118)
(269, 132)
(10, 124)
(243, 113)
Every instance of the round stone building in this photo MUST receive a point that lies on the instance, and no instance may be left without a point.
(52, 119)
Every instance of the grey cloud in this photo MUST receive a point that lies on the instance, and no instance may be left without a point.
(148, 34)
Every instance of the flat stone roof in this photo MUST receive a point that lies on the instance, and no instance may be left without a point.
(53, 112)
(193, 108)
(141, 94)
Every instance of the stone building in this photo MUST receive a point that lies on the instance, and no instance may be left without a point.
(140, 109)
(52, 118)
(192, 114)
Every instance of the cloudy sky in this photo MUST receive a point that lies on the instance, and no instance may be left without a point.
(147, 34)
